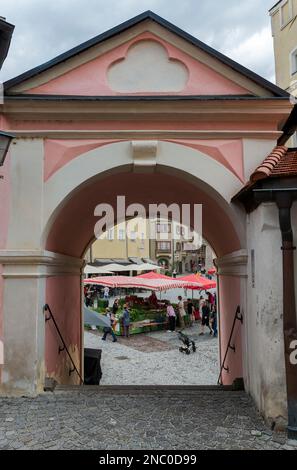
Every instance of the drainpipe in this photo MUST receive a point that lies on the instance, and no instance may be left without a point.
(284, 203)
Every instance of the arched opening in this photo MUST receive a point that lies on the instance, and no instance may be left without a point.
(70, 230)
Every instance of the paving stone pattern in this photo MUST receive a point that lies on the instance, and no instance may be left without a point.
(92, 419)
(154, 359)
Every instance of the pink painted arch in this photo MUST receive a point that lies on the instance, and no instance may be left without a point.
(72, 229)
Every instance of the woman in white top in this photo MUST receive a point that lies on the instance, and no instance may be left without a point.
(181, 312)
(171, 317)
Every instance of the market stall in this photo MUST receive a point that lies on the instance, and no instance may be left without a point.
(146, 313)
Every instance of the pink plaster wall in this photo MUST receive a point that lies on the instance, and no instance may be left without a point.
(229, 298)
(227, 152)
(58, 153)
(91, 79)
(63, 295)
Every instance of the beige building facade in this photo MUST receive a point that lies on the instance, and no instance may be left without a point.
(163, 241)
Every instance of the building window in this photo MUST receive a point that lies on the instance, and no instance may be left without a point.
(164, 246)
(121, 234)
(294, 61)
(163, 228)
(110, 234)
(286, 13)
(180, 230)
(133, 236)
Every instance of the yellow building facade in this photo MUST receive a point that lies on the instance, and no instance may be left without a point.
(115, 244)
(284, 31)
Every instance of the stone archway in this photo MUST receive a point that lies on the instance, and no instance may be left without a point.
(71, 223)
(177, 174)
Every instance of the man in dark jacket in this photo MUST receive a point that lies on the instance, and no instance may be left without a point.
(205, 318)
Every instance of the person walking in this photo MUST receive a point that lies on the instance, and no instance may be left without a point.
(200, 305)
(214, 321)
(181, 312)
(171, 317)
(205, 318)
(190, 311)
(126, 321)
(106, 293)
(109, 329)
(211, 299)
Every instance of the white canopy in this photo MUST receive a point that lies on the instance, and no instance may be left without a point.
(148, 267)
(114, 267)
(96, 270)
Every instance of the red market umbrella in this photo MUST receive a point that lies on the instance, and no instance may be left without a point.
(109, 281)
(212, 271)
(129, 281)
(153, 275)
(198, 282)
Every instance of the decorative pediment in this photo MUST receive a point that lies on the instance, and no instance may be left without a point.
(144, 56)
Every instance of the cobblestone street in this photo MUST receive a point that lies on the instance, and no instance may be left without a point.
(92, 419)
(154, 359)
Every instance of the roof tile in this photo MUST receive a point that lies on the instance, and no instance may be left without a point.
(271, 164)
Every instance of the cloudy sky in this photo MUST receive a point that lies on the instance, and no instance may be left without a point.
(46, 28)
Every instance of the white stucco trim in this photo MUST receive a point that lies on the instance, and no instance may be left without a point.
(38, 263)
(233, 264)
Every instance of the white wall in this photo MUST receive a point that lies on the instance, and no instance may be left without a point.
(26, 204)
(265, 365)
(254, 152)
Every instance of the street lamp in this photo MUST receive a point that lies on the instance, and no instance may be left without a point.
(5, 140)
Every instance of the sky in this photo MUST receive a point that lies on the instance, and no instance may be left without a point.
(46, 28)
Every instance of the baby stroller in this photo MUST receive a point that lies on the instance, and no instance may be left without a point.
(188, 344)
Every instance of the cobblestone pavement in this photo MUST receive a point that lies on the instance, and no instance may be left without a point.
(154, 359)
(92, 419)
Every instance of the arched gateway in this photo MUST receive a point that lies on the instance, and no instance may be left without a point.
(149, 112)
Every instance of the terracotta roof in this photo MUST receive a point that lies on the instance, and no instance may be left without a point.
(281, 162)
(269, 166)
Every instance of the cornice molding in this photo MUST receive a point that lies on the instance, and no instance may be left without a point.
(233, 264)
(153, 134)
(38, 264)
